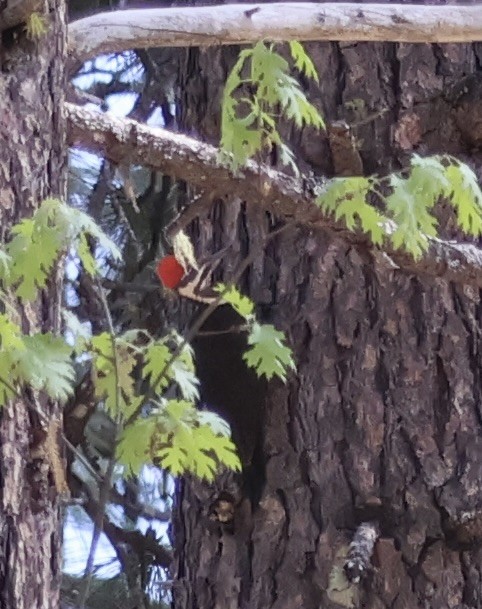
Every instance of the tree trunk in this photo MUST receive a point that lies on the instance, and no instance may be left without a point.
(32, 168)
(382, 420)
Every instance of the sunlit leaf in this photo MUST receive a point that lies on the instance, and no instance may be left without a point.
(46, 364)
(268, 354)
(232, 296)
(466, 197)
(302, 60)
(249, 120)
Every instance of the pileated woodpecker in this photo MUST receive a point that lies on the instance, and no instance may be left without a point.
(193, 283)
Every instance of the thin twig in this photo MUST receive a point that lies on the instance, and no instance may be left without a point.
(231, 330)
(123, 286)
(104, 489)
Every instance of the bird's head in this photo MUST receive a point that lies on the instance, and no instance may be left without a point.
(170, 271)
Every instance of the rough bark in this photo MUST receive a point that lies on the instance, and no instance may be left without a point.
(382, 419)
(32, 167)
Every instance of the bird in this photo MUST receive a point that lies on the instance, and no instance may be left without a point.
(189, 280)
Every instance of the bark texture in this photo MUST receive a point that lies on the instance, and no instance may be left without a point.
(383, 418)
(32, 167)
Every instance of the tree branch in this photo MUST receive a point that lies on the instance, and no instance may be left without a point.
(139, 542)
(112, 32)
(15, 12)
(123, 140)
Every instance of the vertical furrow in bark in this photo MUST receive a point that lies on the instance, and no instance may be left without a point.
(378, 423)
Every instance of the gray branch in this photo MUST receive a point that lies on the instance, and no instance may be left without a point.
(116, 31)
(126, 141)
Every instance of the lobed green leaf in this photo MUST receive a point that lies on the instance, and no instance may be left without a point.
(180, 439)
(268, 355)
(303, 61)
(232, 296)
(46, 364)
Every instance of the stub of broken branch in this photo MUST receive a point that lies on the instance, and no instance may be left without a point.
(117, 31)
(182, 157)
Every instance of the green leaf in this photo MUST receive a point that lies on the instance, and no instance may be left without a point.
(234, 78)
(288, 158)
(302, 60)
(46, 364)
(232, 296)
(113, 373)
(240, 140)
(10, 334)
(410, 212)
(156, 358)
(223, 448)
(37, 243)
(33, 250)
(217, 424)
(346, 199)
(297, 108)
(186, 379)
(195, 447)
(408, 223)
(86, 257)
(466, 197)
(248, 123)
(133, 449)
(180, 440)
(180, 371)
(427, 178)
(268, 355)
(11, 344)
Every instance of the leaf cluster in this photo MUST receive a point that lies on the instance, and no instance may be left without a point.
(257, 91)
(132, 372)
(41, 360)
(37, 243)
(404, 215)
(174, 433)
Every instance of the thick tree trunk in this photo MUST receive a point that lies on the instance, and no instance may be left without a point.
(32, 167)
(382, 419)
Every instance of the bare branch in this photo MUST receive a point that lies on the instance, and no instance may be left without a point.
(15, 12)
(245, 23)
(123, 140)
(139, 542)
(127, 141)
